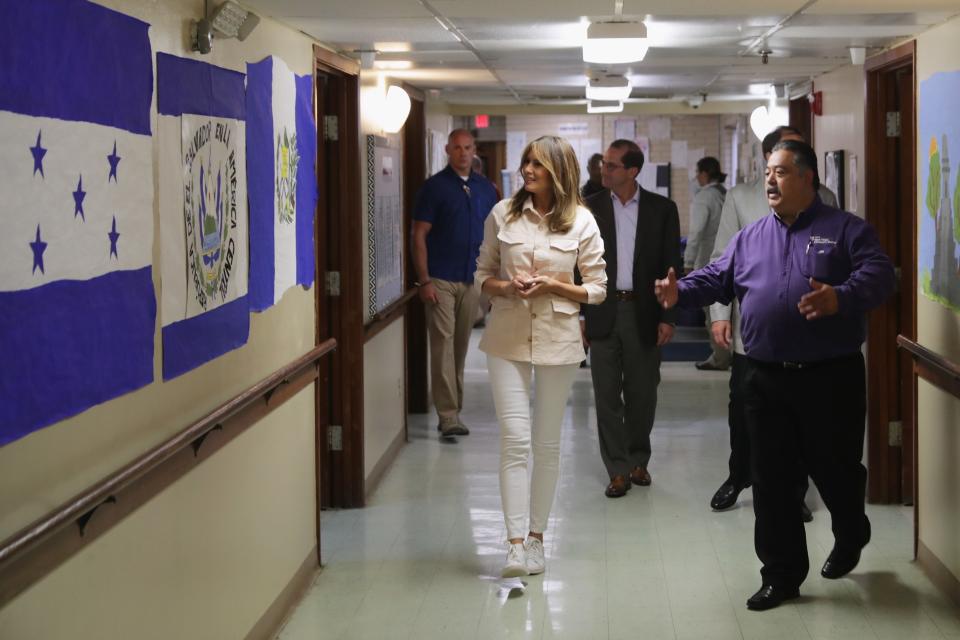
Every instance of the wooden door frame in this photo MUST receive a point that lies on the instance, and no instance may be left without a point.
(884, 461)
(415, 320)
(340, 249)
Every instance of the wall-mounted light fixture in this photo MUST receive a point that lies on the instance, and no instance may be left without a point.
(396, 108)
(858, 55)
(230, 20)
(604, 106)
(609, 87)
(233, 21)
(615, 42)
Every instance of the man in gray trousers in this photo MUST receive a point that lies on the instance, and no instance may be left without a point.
(641, 237)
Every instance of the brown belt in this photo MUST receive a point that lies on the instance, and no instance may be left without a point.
(626, 295)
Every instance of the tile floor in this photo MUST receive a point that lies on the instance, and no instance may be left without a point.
(423, 559)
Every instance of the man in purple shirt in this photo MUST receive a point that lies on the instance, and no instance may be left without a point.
(805, 278)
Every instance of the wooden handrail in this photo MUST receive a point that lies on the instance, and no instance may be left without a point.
(79, 509)
(932, 367)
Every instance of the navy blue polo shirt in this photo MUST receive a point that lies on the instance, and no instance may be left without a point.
(457, 209)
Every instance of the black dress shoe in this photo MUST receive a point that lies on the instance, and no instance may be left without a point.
(726, 496)
(805, 512)
(770, 596)
(839, 563)
(706, 365)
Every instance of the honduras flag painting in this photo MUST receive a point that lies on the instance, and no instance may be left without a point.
(77, 305)
(281, 148)
(203, 212)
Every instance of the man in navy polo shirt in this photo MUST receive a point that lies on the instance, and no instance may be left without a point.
(805, 278)
(447, 230)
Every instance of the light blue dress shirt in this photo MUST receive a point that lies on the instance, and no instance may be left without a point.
(625, 218)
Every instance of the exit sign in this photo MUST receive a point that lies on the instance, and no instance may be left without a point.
(481, 121)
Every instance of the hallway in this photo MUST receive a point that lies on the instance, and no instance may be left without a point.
(423, 559)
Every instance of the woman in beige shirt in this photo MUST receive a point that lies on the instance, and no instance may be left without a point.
(531, 244)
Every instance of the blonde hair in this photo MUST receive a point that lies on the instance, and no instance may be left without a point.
(557, 157)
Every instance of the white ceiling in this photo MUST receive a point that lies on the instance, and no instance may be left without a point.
(529, 52)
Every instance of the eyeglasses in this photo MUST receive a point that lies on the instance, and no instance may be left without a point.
(610, 166)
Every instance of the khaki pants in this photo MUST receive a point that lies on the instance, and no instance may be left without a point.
(448, 325)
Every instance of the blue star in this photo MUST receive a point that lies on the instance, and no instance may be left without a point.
(38, 153)
(78, 197)
(113, 235)
(38, 246)
(114, 160)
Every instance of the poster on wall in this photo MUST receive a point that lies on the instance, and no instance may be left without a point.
(833, 166)
(939, 233)
(384, 226)
(77, 305)
(201, 129)
(281, 180)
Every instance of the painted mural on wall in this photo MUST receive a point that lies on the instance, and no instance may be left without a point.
(939, 233)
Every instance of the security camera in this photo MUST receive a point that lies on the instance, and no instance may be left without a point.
(765, 55)
(201, 35)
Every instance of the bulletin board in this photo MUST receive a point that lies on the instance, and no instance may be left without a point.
(385, 252)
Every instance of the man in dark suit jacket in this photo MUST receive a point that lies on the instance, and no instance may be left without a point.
(641, 236)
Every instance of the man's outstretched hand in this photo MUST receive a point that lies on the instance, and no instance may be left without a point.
(820, 302)
(666, 289)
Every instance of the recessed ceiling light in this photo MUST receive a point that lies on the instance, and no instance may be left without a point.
(608, 88)
(615, 42)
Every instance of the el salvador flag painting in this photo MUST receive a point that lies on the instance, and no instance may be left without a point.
(281, 149)
(201, 127)
(77, 305)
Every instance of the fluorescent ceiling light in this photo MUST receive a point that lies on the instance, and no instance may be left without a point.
(760, 89)
(615, 42)
(393, 64)
(609, 88)
(604, 106)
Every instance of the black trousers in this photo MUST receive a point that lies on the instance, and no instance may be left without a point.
(805, 421)
(739, 438)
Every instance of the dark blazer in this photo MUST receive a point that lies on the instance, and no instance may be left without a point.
(657, 248)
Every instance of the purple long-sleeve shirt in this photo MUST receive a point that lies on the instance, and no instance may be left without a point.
(767, 267)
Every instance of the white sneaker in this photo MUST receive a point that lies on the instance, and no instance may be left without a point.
(516, 564)
(535, 560)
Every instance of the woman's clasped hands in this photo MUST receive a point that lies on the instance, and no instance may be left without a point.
(531, 285)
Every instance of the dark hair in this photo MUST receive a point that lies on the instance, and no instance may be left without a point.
(595, 158)
(633, 157)
(804, 157)
(711, 166)
(772, 138)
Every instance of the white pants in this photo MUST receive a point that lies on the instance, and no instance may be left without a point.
(510, 381)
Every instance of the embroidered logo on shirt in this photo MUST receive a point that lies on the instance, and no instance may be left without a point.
(819, 244)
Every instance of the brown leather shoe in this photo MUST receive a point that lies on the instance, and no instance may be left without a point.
(618, 487)
(640, 476)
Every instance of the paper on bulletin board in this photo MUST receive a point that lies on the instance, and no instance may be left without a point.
(588, 147)
(693, 156)
(644, 143)
(659, 128)
(678, 153)
(624, 128)
(516, 142)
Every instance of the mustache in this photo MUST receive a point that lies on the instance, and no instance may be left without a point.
(773, 191)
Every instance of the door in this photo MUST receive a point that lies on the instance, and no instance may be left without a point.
(340, 475)
(891, 209)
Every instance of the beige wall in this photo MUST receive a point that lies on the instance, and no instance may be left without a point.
(383, 394)
(841, 125)
(182, 565)
(938, 329)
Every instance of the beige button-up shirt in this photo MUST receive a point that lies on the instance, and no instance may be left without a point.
(544, 329)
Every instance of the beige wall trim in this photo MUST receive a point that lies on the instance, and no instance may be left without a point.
(380, 469)
(938, 572)
(277, 614)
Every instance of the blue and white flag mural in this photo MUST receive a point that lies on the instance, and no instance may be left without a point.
(203, 212)
(281, 149)
(77, 305)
